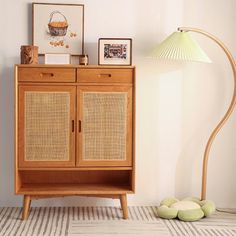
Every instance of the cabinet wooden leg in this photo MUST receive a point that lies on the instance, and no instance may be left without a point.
(123, 202)
(26, 206)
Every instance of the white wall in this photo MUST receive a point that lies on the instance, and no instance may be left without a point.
(177, 105)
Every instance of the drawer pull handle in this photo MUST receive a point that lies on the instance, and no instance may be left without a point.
(80, 128)
(73, 126)
(46, 74)
(104, 75)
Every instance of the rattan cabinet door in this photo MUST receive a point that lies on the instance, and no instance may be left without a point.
(104, 126)
(46, 126)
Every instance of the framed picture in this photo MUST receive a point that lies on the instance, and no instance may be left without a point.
(57, 58)
(58, 28)
(115, 51)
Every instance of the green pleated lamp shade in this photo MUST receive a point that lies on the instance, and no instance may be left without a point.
(180, 46)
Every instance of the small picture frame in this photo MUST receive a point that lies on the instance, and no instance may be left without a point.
(57, 58)
(115, 51)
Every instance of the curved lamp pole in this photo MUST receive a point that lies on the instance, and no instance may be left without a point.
(181, 46)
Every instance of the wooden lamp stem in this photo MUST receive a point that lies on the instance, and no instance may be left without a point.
(228, 112)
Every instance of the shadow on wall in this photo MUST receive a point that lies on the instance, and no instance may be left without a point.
(155, 67)
(187, 168)
(91, 49)
(30, 27)
(7, 132)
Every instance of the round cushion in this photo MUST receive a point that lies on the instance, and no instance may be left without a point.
(189, 209)
(185, 205)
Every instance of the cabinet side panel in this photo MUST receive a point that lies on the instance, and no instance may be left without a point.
(133, 176)
(17, 177)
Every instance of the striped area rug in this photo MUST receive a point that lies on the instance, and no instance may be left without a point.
(91, 221)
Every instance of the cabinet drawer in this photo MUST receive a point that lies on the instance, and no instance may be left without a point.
(105, 75)
(46, 74)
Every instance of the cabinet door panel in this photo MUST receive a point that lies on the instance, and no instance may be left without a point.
(46, 126)
(105, 113)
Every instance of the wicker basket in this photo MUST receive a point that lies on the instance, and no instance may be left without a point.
(57, 28)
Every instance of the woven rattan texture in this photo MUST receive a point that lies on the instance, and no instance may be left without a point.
(47, 116)
(104, 125)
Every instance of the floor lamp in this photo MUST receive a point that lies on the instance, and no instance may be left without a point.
(181, 46)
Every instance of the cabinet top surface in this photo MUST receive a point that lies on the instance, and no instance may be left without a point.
(72, 66)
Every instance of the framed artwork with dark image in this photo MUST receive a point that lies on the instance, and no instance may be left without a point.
(115, 51)
(58, 28)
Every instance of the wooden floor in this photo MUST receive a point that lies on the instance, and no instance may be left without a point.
(105, 221)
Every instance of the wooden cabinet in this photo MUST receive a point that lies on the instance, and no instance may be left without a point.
(74, 132)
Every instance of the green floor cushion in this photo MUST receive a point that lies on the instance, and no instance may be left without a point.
(188, 209)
